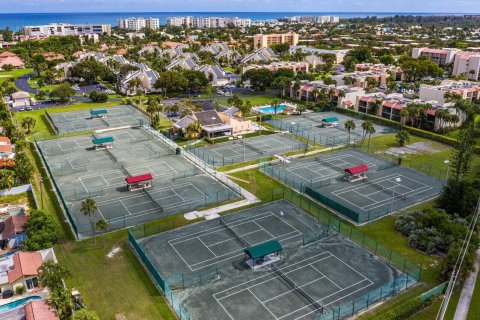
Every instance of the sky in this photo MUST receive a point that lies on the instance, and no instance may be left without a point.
(410, 6)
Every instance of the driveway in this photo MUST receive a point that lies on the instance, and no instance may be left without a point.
(23, 85)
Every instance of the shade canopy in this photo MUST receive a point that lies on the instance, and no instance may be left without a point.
(330, 120)
(98, 112)
(102, 140)
(139, 178)
(358, 169)
(263, 249)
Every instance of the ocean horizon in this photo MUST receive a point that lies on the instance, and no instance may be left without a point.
(16, 21)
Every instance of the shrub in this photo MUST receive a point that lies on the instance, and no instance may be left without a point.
(19, 289)
(96, 96)
(405, 310)
(43, 231)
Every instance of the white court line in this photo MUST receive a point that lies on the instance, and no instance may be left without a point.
(326, 276)
(264, 229)
(214, 255)
(262, 304)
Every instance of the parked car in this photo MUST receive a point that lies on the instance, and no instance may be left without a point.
(7, 294)
(29, 108)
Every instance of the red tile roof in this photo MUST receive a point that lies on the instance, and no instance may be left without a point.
(140, 178)
(25, 264)
(14, 224)
(13, 61)
(39, 310)
(7, 54)
(357, 169)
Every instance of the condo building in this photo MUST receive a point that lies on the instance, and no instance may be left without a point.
(65, 29)
(266, 40)
(137, 24)
(211, 22)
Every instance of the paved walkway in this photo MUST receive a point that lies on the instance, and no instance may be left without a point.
(465, 298)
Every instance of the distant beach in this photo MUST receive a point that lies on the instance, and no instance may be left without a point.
(16, 21)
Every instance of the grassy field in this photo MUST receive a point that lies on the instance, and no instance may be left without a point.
(474, 312)
(258, 183)
(113, 287)
(435, 160)
(17, 73)
(42, 125)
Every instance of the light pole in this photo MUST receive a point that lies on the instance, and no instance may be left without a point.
(213, 133)
(447, 162)
(41, 192)
(397, 180)
(243, 142)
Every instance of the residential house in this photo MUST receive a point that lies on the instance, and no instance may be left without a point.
(183, 63)
(147, 77)
(339, 54)
(21, 269)
(218, 76)
(239, 124)
(294, 66)
(6, 148)
(360, 79)
(314, 61)
(39, 310)
(211, 123)
(263, 55)
(10, 59)
(12, 231)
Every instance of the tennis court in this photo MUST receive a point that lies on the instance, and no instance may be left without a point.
(81, 171)
(309, 126)
(310, 279)
(81, 120)
(242, 150)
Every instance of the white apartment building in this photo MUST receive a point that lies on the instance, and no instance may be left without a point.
(436, 94)
(65, 29)
(136, 24)
(316, 19)
(467, 63)
(439, 56)
(204, 23)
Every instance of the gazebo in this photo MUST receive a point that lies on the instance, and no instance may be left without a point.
(330, 122)
(263, 254)
(105, 143)
(101, 113)
(142, 181)
(356, 173)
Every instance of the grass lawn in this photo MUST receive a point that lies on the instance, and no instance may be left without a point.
(259, 184)
(474, 312)
(454, 134)
(42, 125)
(431, 311)
(257, 100)
(112, 286)
(17, 73)
(435, 160)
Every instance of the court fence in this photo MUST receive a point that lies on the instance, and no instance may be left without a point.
(59, 193)
(157, 278)
(221, 161)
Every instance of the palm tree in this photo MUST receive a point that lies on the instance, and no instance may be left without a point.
(403, 116)
(365, 125)
(370, 130)
(296, 86)
(275, 104)
(349, 125)
(28, 123)
(88, 208)
(134, 83)
(193, 129)
(7, 179)
(102, 226)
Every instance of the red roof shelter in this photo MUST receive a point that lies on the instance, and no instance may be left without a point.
(356, 173)
(139, 178)
(142, 181)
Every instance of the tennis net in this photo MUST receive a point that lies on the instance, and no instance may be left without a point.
(355, 133)
(298, 289)
(122, 167)
(329, 164)
(243, 241)
(155, 202)
(390, 190)
(111, 154)
(253, 148)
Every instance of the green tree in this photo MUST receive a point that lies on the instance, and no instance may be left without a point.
(23, 168)
(171, 81)
(63, 92)
(28, 123)
(51, 275)
(42, 230)
(349, 126)
(370, 130)
(62, 301)
(98, 97)
(275, 104)
(193, 129)
(91, 71)
(102, 226)
(197, 81)
(245, 108)
(7, 179)
(365, 125)
(301, 108)
(260, 79)
(235, 101)
(402, 137)
(88, 208)
(462, 156)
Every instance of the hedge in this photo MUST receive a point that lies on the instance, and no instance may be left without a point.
(404, 310)
(415, 131)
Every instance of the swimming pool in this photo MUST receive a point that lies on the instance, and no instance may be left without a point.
(271, 110)
(17, 303)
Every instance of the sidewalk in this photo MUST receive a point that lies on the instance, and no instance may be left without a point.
(465, 298)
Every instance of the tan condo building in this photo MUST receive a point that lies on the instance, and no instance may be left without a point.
(266, 40)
